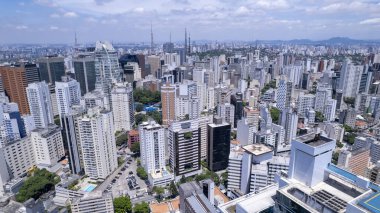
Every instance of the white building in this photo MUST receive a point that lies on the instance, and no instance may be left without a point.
(40, 105)
(245, 132)
(323, 93)
(227, 112)
(350, 75)
(329, 111)
(152, 146)
(67, 94)
(305, 103)
(123, 107)
(289, 120)
(203, 122)
(48, 145)
(97, 140)
(95, 202)
(284, 94)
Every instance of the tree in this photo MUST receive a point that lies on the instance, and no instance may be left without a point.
(141, 173)
(159, 191)
(139, 107)
(141, 208)
(139, 118)
(41, 182)
(275, 114)
(349, 100)
(146, 96)
(156, 116)
(335, 157)
(135, 148)
(224, 177)
(122, 139)
(319, 117)
(122, 204)
(173, 189)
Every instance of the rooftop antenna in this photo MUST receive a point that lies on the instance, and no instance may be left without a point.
(75, 39)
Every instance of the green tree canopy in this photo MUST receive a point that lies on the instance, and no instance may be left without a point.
(141, 173)
(141, 208)
(146, 96)
(135, 148)
(122, 204)
(275, 114)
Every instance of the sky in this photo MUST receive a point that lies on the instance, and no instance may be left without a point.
(56, 21)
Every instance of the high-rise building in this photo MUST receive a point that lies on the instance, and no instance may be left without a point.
(84, 68)
(15, 79)
(131, 72)
(323, 93)
(355, 161)
(139, 59)
(305, 103)
(71, 139)
(107, 66)
(12, 126)
(48, 145)
(168, 97)
(203, 125)
(348, 117)
(350, 75)
(245, 132)
(67, 94)
(184, 148)
(123, 107)
(98, 145)
(152, 146)
(96, 202)
(237, 101)
(227, 113)
(329, 110)
(284, 94)
(51, 68)
(155, 65)
(40, 104)
(219, 136)
(289, 120)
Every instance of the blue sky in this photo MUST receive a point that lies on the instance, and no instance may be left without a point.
(55, 21)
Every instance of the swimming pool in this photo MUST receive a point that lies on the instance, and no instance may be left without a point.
(89, 188)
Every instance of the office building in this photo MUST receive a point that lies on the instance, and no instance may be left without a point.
(40, 104)
(235, 162)
(237, 102)
(131, 72)
(184, 148)
(98, 145)
(123, 107)
(154, 63)
(348, 117)
(107, 66)
(139, 59)
(84, 68)
(48, 146)
(373, 173)
(94, 99)
(289, 120)
(245, 132)
(203, 126)
(168, 100)
(305, 103)
(329, 110)
(67, 94)
(51, 68)
(322, 95)
(15, 79)
(12, 126)
(219, 136)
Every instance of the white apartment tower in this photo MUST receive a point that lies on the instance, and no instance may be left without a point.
(40, 104)
(67, 94)
(227, 112)
(48, 145)
(97, 140)
(284, 94)
(123, 107)
(350, 75)
(152, 146)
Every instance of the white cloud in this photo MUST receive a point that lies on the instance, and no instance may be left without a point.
(54, 15)
(21, 27)
(70, 15)
(54, 28)
(242, 10)
(139, 10)
(371, 21)
(272, 4)
(91, 20)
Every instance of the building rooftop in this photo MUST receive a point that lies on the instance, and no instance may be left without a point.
(313, 139)
(257, 149)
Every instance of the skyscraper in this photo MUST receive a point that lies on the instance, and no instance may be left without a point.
(107, 67)
(152, 146)
(219, 136)
(184, 148)
(123, 107)
(350, 75)
(15, 80)
(289, 120)
(84, 68)
(98, 145)
(51, 68)
(67, 94)
(237, 102)
(40, 104)
(71, 139)
(284, 95)
(227, 113)
(168, 97)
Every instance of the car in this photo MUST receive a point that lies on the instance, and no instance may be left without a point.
(123, 169)
(113, 181)
(119, 173)
(138, 187)
(131, 173)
